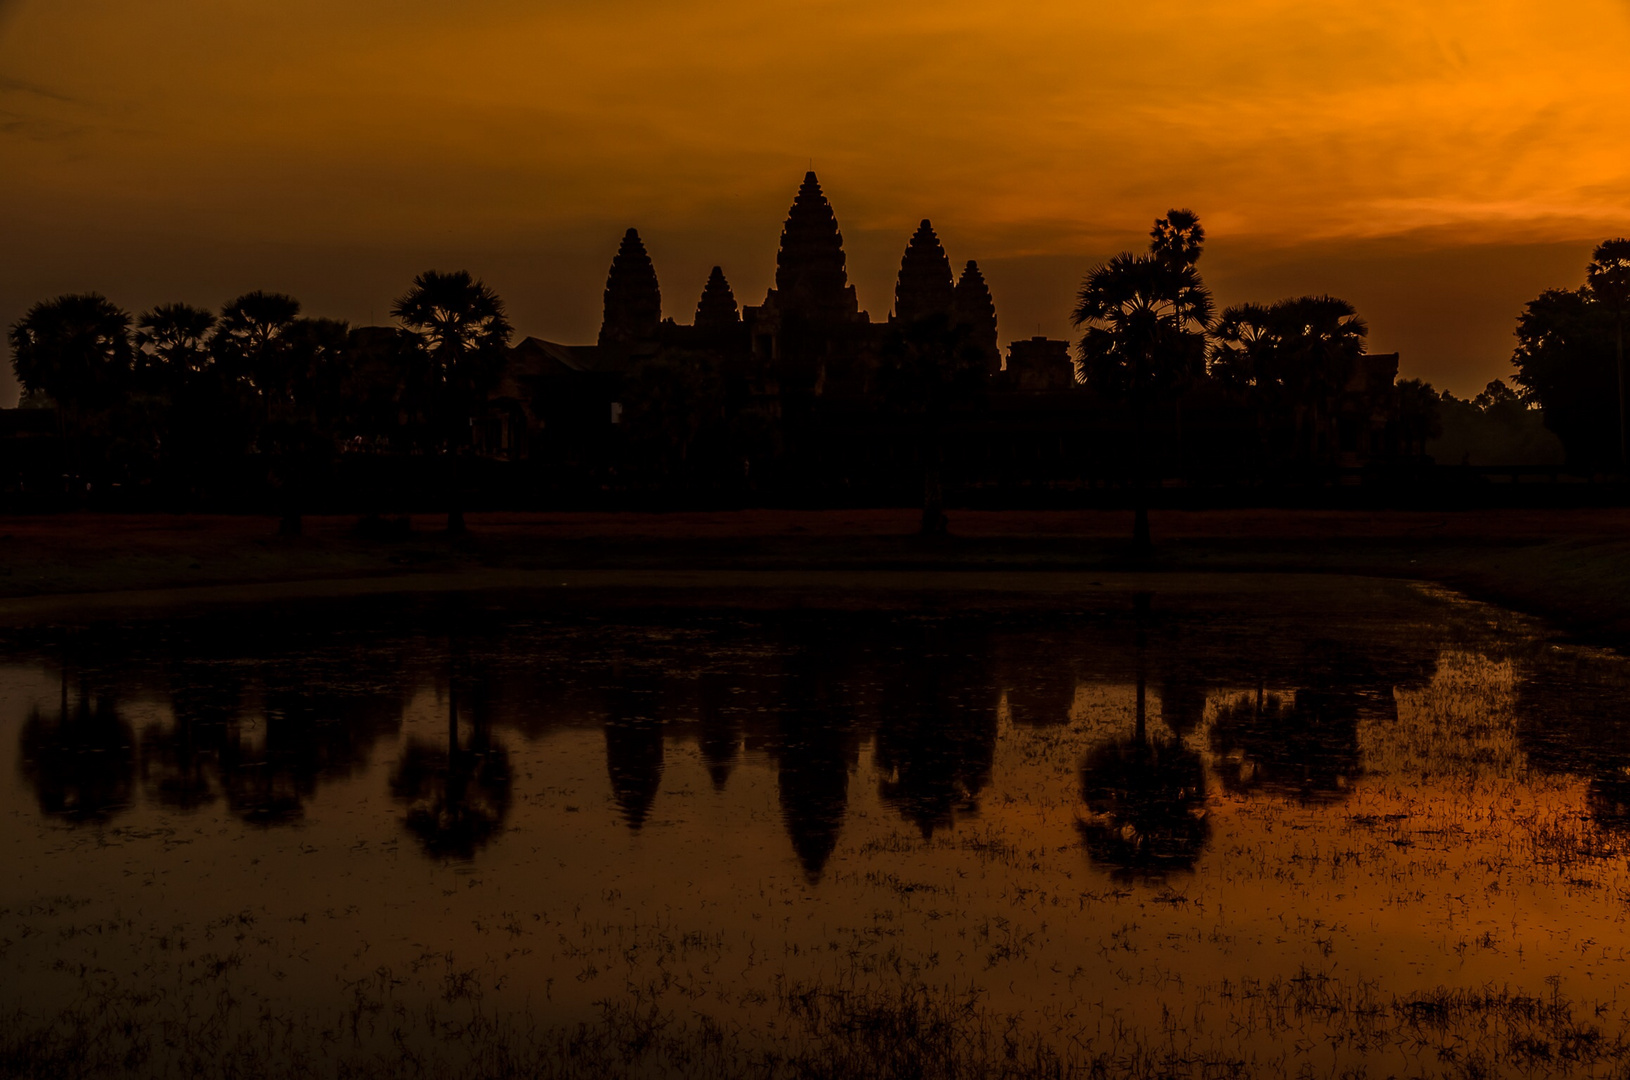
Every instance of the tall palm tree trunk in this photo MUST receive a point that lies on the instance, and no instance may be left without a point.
(289, 521)
(1624, 431)
(1141, 543)
(455, 494)
(452, 721)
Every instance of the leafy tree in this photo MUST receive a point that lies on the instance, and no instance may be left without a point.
(1564, 360)
(1608, 279)
(1420, 417)
(1496, 427)
(463, 333)
(1144, 319)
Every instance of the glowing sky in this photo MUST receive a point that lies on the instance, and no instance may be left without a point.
(1437, 162)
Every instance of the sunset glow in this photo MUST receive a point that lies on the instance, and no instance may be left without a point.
(1437, 163)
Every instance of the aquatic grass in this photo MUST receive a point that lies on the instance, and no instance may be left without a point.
(834, 1031)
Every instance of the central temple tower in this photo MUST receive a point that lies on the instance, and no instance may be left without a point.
(811, 283)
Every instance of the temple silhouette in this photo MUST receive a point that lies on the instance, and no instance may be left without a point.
(801, 384)
(802, 399)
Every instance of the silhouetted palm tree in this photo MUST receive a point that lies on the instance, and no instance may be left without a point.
(199, 429)
(1241, 342)
(461, 327)
(250, 338)
(301, 423)
(1294, 356)
(1317, 343)
(75, 351)
(1608, 279)
(1145, 318)
(282, 372)
(173, 344)
(1178, 237)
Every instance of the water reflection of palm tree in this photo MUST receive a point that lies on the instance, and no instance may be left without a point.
(1145, 802)
(180, 765)
(313, 728)
(80, 764)
(457, 796)
(1306, 748)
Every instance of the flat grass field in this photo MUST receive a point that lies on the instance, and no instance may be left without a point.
(1569, 566)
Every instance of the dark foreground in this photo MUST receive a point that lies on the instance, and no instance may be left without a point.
(1570, 566)
(846, 823)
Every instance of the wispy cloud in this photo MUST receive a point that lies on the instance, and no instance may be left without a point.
(28, 89)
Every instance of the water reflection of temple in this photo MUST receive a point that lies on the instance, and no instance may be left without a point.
(1201, 714)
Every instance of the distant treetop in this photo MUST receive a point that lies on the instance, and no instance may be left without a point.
(1179, 235)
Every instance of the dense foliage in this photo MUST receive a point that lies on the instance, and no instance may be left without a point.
(1570, 358)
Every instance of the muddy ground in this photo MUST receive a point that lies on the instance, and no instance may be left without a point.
(1569, 566)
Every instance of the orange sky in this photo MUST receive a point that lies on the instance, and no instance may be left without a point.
(1437, 162)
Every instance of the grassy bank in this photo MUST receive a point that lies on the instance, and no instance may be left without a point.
(1572, 567)
(912, 1032)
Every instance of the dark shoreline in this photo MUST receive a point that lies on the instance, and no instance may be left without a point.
(1571, 568)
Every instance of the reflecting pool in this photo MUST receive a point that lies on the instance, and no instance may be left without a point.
(1275, 828)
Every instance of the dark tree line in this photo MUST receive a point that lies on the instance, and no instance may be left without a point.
(1151, 336)
(190, 404)
(186, 394)
(1570, 359)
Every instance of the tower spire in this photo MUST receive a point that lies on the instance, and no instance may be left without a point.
(811, 281)
(633, 300)
(973, 307)
(717, 308)
(924, 288)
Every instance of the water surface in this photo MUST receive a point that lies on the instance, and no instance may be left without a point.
(1306, 829)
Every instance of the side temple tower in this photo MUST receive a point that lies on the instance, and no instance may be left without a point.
(924, 289)
(633, 301)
